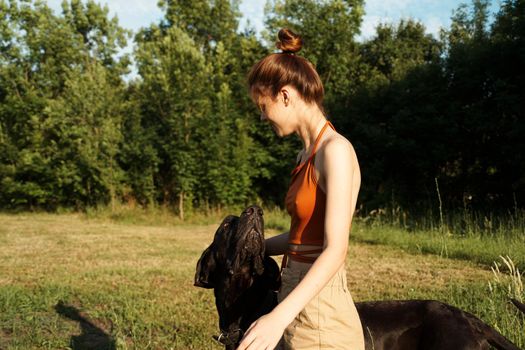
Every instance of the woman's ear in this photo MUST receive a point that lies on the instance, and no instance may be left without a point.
(289, 95)
(285, 95)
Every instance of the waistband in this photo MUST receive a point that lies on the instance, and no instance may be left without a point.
(294, 275)
(300, 256)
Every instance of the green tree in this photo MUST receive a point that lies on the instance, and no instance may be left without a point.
(138, 156)
(396, 119)
(228, 147)
(207, 22)
(174, 97)
(82, 126)
(46, 64)
(507, 91)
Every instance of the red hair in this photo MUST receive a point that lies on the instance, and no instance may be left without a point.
(270, 74)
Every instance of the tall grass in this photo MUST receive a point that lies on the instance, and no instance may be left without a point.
(274, 217)
(461, 233)
(480, 249)
(507, 283)
(459, 222)
(462, 222)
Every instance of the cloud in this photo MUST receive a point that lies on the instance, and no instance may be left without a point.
(368, 27)
(132, 14)
(434, 14)
(252, 11)
(379, 7)
(433, 25)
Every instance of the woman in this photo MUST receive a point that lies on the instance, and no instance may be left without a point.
(315, 308)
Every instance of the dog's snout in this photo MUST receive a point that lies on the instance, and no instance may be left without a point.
(254, 209)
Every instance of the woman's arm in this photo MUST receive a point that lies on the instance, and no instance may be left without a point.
(340, 172)
(277, 245)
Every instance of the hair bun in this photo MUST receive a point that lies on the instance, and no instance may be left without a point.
(289, 42)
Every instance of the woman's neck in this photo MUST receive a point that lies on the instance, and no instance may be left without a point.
(311, 122)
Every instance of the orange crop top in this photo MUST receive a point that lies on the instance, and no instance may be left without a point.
(306, 203)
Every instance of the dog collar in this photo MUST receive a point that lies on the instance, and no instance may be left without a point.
(229, 338)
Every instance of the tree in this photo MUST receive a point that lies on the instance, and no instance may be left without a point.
(174, 96)
(207, 22)
(46, 63)
(397, 120)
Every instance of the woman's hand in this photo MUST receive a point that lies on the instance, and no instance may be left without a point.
(263, 334)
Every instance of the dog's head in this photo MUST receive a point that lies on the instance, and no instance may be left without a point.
(236, 256)
(241, 276)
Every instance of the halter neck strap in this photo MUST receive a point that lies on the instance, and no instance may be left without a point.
(319, 137)
(316, 143)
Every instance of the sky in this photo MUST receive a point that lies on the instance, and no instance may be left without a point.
(134, 14)
(434, 14)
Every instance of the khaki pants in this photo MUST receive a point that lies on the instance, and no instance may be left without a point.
(329, 320)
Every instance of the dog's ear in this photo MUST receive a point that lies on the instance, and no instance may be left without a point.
(272, 274)
(205, 268)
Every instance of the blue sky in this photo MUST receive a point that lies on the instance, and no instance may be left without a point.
(134, 14)
(433, 13)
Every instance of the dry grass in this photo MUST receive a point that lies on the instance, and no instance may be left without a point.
(381, 270)
(134, 282)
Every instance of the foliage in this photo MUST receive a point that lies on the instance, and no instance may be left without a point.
(427, 116)
(60, 105)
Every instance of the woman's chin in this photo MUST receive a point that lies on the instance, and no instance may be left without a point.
(278, 131)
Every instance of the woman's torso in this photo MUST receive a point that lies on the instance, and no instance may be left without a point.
(315, 160)
(307, 185)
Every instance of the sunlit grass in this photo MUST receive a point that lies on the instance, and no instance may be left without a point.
(481, 249)
(131, 277)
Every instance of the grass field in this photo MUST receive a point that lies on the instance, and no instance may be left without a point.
(77, 281)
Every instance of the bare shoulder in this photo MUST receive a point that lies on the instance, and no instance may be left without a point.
(337, 148)
(337, 160)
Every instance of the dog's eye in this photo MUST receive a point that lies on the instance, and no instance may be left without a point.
(226, 224)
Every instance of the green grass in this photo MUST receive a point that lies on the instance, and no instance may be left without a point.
(481, 249)
(134, 282)
(125, 281)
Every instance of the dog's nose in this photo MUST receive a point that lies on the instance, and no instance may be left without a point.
(254, 209)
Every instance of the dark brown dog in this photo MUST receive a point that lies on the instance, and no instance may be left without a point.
(245, 282)
(243, 279)
(425, 324)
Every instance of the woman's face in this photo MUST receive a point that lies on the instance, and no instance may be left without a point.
(277, 112)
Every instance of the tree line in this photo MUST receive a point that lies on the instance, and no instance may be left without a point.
(430, 118)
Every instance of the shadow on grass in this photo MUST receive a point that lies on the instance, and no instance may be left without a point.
(92, 336)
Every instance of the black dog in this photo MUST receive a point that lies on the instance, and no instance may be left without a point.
(245, 282)
(425, 324)
(243, 279)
